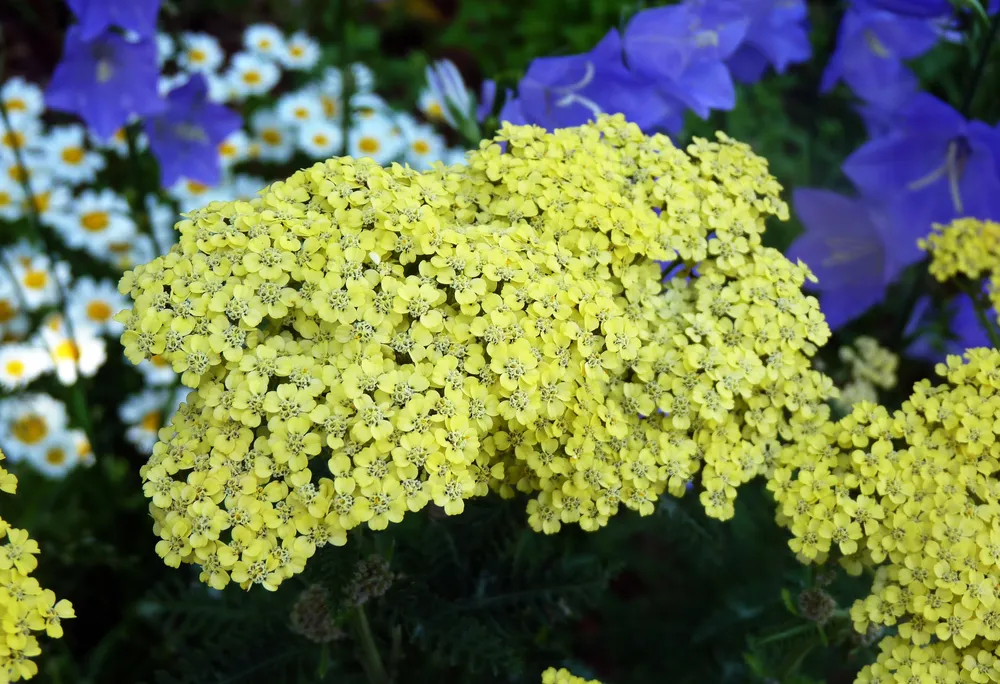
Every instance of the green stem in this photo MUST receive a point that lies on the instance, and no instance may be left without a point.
(371, 659)
(798, 629)
(980, 68)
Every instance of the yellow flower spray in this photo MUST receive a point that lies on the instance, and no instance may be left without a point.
(24, 606)
(362, 341)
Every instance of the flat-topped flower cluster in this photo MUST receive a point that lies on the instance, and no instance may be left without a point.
(25, 607)
(912, 495)
(361, 341)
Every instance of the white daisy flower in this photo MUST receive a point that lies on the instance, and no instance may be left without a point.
(200, 52)
(126, 255)
(234, 148)
(27, 421)
(83, 354)
(145, 413)
(20, 364)
(301, 52)
(190, 194)
(250, 74)
(96, 219)
(81, 447)
(24, 133)
(52, 200)
(11, 198)
(373, 137)
(165, 48)
(299, 108)
(67, 156)
(157, 371)
(35, 167)
(423, 144)
(430, 105)
(368, 106)
(36, 279)
(321, 139)
(56, 456)
(264, 40)
(277, 143)
(10, 305)
(22, 99)
(94, 304)
(364, 78)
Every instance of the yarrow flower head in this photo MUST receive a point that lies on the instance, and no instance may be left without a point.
(25, 607)
(913, 496)
(967, 247)
(564, 676)
(361, 341)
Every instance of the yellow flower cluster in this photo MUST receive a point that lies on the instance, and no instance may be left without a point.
(24, 606)
(362, 341)
(872, 367)
(967, 247)
(564, 676)
(913, 496)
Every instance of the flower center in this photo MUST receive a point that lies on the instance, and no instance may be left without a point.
(369, 145)
(421, 147)
(7, 310)
(30, 429)
(72, 155)
(95, 221)
(13, 139)
(15, 369)
(67, 351)
(16, 104)
(98, 311)
(35, 279)
(152, 421)
(251, 77)
(55, 456)
(271, 136)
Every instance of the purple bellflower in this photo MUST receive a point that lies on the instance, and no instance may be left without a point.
(776, 36)
(557, 92)
(681, 49)
(934, 167)
(871, 47)
(185, 137)
(928, 9)
(94, 16)
(105, 81)
(843, 247)
(965, 331)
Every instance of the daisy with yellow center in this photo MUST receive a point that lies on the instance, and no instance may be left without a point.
(301, 52)
(93, 305)
(72, 356)
(249, 74)
(277, 142)
(200, 52)
(27, 421)
(20, 364)
(68, 157)
(96, 219)
(320, 139)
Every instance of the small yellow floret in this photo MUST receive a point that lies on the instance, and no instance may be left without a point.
(564, 676)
